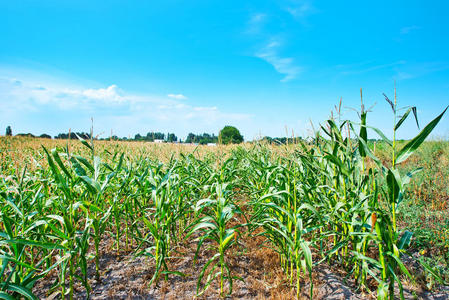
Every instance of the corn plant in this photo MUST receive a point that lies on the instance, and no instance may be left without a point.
(214, 226)
(389, 241)
(286, 229)
(161, 219)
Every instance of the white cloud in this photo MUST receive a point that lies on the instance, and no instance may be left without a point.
(111, 107)
(283, 65)
(177, 96)
(110, 93)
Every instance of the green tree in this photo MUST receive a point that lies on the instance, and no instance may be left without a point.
(45, 136)
(150, 136)
(230, 135)
(191, 138)
(171, 137)
(8, 131)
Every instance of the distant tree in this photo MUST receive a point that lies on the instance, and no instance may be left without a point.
(159, 136)
(172, 138)
(45, 136)
(26, 135)
(138, 137)
(73, 135)
(83, 135)
(230, 135)
(150, 137)
(62, 136)
(190, 138)
(202, 139)
(281, 140)
(8, 131)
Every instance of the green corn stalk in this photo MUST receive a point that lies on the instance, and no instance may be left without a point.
(214, 226)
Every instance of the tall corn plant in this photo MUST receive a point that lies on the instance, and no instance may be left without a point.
(390, 242)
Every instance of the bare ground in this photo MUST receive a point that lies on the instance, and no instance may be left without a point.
(124, 276)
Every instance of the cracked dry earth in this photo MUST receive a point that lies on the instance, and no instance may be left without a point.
(125, 276)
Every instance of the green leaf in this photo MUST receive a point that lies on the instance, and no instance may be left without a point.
(79, 170)
(226, 240)
(85, 162)
(307, 255)
(120, 162)
(203, 270)
(59, 179)
(93, 186)
(14, 207)
(382, 291)
(58, 160)
(369, 153)
(370, 260)
(381, 134)
(84, 142)
(394, 186)
(201, 226)
(6, 296)
(400, 264)
(363, 135)
(431, 270)
(412, 145)
(19, 289)
(338, 162)
(416, 115)
(174, 273)
(404, 242)
(33, 243)
(409, 175)
(404, 117)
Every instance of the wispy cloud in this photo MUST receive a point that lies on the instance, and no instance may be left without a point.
(300, 8)
(177, 96)
(283, 65)
(408, 29)
(418, 69)
(399, 70)
(255, 23)
(366, 67)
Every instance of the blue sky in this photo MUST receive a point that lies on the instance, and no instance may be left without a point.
(195, 66)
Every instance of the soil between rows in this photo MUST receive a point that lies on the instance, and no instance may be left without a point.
(125, 276)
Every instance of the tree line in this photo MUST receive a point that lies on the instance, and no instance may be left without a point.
(228, 135)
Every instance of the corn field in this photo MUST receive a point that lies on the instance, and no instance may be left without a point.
(326, 201)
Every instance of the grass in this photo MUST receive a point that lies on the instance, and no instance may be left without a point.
(334, 202)
(426, 209)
